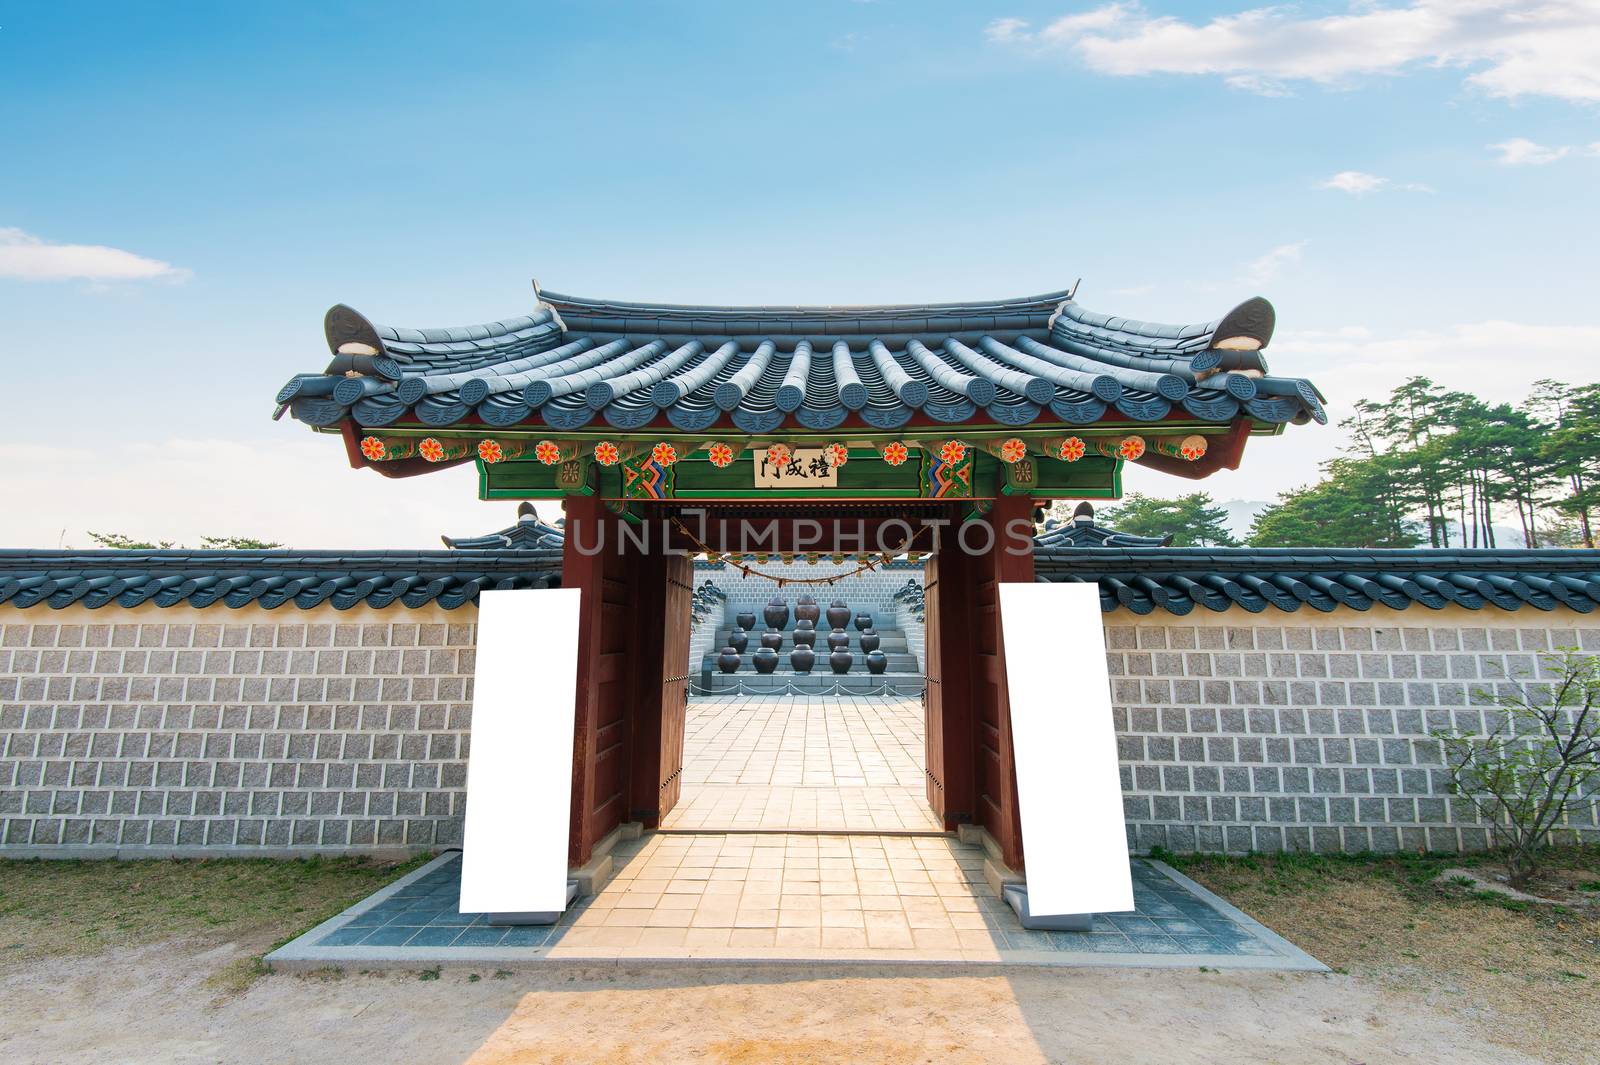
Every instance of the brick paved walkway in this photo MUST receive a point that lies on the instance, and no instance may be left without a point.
(835, 763)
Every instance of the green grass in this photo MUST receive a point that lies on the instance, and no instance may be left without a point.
(1416, 874)
(82, 907)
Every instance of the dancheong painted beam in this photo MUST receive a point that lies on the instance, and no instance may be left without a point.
(1035, 396)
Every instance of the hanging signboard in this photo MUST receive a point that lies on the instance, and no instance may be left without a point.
(804, 467)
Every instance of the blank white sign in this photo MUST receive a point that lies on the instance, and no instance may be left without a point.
(519, 771)
(1065, 745)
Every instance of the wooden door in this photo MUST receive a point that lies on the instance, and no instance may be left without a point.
(933, 694)
(674, 679)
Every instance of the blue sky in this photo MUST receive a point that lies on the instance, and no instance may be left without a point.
(223, 173)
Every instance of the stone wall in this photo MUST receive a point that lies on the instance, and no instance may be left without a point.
(1270, 731)
(180, 731)
(157, 731)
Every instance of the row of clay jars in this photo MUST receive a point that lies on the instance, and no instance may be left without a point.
(802, 659)
(805, 636)
(776, 614)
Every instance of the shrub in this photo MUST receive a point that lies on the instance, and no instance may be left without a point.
(1540, 762)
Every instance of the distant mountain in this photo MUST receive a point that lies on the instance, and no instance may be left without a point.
(1241, 513)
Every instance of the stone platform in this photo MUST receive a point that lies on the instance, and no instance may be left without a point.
(722, 898)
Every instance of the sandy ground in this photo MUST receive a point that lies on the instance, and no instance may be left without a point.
(154, 1004)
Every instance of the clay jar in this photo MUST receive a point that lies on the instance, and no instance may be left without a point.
(738, 640)
(776, 613)
(806, 609)
(802, 658)
(747, 621)
(765, 660)
(877, 662)
(838, 614)
(728, 660)
(772, 640)
(863, 622)
(804, 634)
(870, 640)
(838, 640)
(840, 661)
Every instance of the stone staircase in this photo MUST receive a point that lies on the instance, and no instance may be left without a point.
(902, 673)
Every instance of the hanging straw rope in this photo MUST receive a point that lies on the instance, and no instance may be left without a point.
(882, 558)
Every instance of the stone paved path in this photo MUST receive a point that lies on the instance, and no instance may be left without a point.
(837, 763)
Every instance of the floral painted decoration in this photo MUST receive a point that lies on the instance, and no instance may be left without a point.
(1072, 449)
(1013, 450)
(606, 453)
(952, 452)
(373, 448)
(778, 455)
(721, 455)
(895, 454)
(837, 454)
(664, 454)
(547, 452)
(431, 449)
(489, 451)
(1193, 448)
(1132, 447)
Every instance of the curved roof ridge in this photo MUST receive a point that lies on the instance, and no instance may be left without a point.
(579, 306)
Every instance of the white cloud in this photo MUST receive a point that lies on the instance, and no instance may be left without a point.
(1512, 47)
(182, 489)
(1359, 183)
(1519, 151)
(1005, 29)
(26, 257)
(1496, 359)
(1355, 182)
(1260, 271)
(1359, 363)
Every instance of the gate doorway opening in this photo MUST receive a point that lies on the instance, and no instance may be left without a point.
(833, 762)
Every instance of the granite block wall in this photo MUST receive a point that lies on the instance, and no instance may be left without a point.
(177, 731)
(1268, 732)
(183, 731)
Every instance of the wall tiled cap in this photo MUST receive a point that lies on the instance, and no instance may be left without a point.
(305, 579)
(1176, 580)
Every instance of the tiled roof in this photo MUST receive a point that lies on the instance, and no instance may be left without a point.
(528, 534)
(1082, 531)
(268, 578)
(1177, 579)
(756, 369)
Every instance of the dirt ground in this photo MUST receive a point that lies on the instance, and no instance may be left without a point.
(152, 1004)
(1427, 978)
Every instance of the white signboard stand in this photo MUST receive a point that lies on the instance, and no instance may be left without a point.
(1065, 745)
(519, 771)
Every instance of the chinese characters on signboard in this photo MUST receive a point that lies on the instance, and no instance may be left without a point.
(806, 468)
